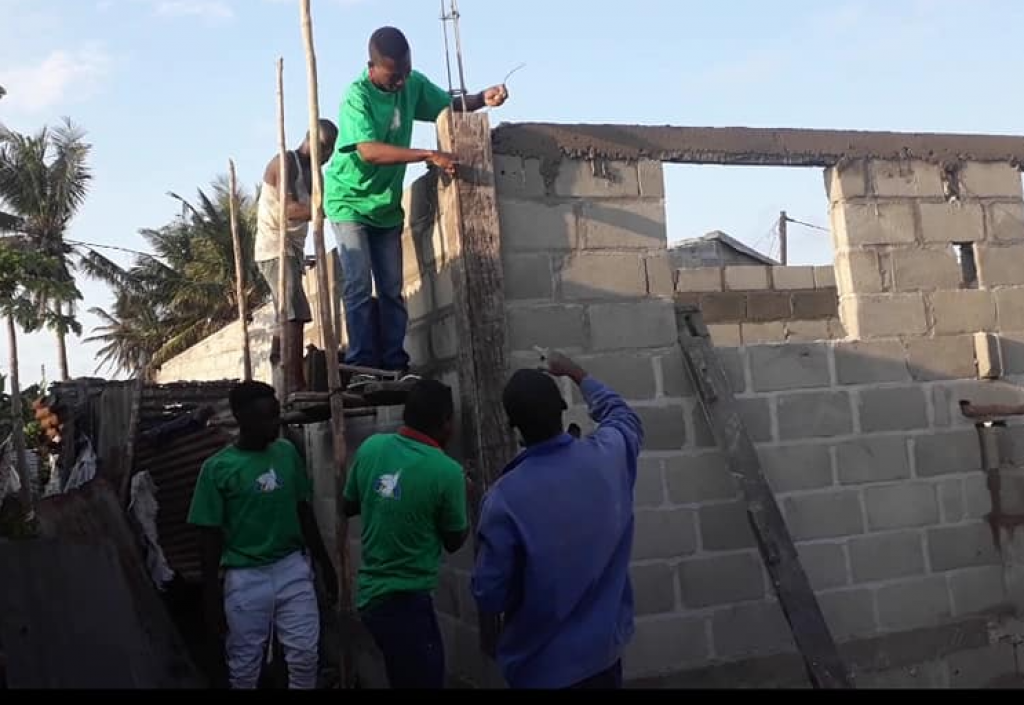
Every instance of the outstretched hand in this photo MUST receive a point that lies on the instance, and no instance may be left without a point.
(495, 96)
(561, 365)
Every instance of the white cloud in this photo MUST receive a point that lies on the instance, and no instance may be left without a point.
(63, 76)
(205, 9)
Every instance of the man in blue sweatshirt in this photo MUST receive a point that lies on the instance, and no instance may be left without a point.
(555, 536)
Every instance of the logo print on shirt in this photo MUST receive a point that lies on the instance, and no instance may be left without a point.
(396, 121)
(268, 482)
(388, 486)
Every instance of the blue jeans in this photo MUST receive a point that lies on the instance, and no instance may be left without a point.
(369, 255)
(405, 630)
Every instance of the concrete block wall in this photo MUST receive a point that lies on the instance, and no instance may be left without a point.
(755, 304)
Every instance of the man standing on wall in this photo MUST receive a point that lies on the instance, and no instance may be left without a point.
(268, 241)
(252, 504)
(412, 500)
(556, 535)
(363, 192)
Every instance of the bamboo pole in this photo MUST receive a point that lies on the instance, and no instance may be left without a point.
(346, 615)
(236, 243)
(285, 360)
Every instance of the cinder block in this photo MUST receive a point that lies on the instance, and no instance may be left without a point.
(664, 645)
(892, 409)
(969, 546)
(769, 306)
(982, 180)
(836, 331)
(650, 487)
(444, 290)
(558, 327)
(675, 380)
(579, 178)
(1011, 349)
(796, 468)
(985, 392)
(886, 557)
(951, 501)
(725, 527)
(700, 279)
(660, 275)
(932, 359)
(849, 613)
(756, 416)
(793, 366)
(812, 305)
(725, 335)
(951, 453)
(721, 580)
(993, 666)
(827, 515)
(914, 604)
(652, 178)
(948, 222)
(977, 496)
(978, 590)
(732, 360)
(603, 275)
(987, 354)
(528, 277)
(757, 629)
(664, 533)
(515, 177)
(790, 278)
(724, 306)
(824, 564)
(963, 311)
(654, 588)
(825, 277)
(531, 225)
(858, 272)
(749, 278)
(926, 676)
(623, 225)
(807, 331)
(814, 415)
(901, 506)
(885, 316)
(902, 179)
(916, 269)
(849, 180)
(664, 428)
(1000, 266)
(873, 459)
(763, 333)
(858, 224)
(632, 376)
(1005, 222)
(444, 339)
(647, 324)
(868, 362)
(693, 479)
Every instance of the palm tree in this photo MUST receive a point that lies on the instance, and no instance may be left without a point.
(183, 292)
(44, 179)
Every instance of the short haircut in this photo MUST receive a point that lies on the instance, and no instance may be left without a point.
(534, 403)
(429, 406)
(245, 394)
(388, 43)
(327, 127)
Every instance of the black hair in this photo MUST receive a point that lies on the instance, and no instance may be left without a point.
(328, 126)
(244, 394)
(388, 43)
(429, 406)
(534, 405)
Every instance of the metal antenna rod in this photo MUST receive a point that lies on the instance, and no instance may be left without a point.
(458, 46)
(452, 15)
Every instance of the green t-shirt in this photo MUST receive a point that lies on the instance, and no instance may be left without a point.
(357, 192)
(410, 493)
(254, 497)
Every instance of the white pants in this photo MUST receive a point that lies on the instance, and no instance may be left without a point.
(258, 601)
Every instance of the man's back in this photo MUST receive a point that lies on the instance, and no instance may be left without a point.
(410, 493)
(566, 506)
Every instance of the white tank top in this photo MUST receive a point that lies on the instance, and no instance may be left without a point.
(268, 240)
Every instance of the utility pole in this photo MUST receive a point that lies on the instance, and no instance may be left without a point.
(783, 238)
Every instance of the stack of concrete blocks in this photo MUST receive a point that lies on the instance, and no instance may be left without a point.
(755, 304)
(878, 476)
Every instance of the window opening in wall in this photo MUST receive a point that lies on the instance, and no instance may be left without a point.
(964, 253)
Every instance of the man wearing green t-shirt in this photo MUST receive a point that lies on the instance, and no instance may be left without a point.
(252, 504)
(363, 191)
(412, 500)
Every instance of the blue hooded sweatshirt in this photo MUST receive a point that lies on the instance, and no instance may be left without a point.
(555, 537)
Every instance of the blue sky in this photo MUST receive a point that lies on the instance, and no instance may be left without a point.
(170, 89)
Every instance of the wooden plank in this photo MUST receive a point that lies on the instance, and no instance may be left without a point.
(799, 604)
(468, 211)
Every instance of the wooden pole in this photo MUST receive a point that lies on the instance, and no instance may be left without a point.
(236, 243)
(283, 329)
(784, 238)
(17, 424)
(331, 344)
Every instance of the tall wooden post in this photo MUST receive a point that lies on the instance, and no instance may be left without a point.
(236, 243)
(283, 270)
(343, 567)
